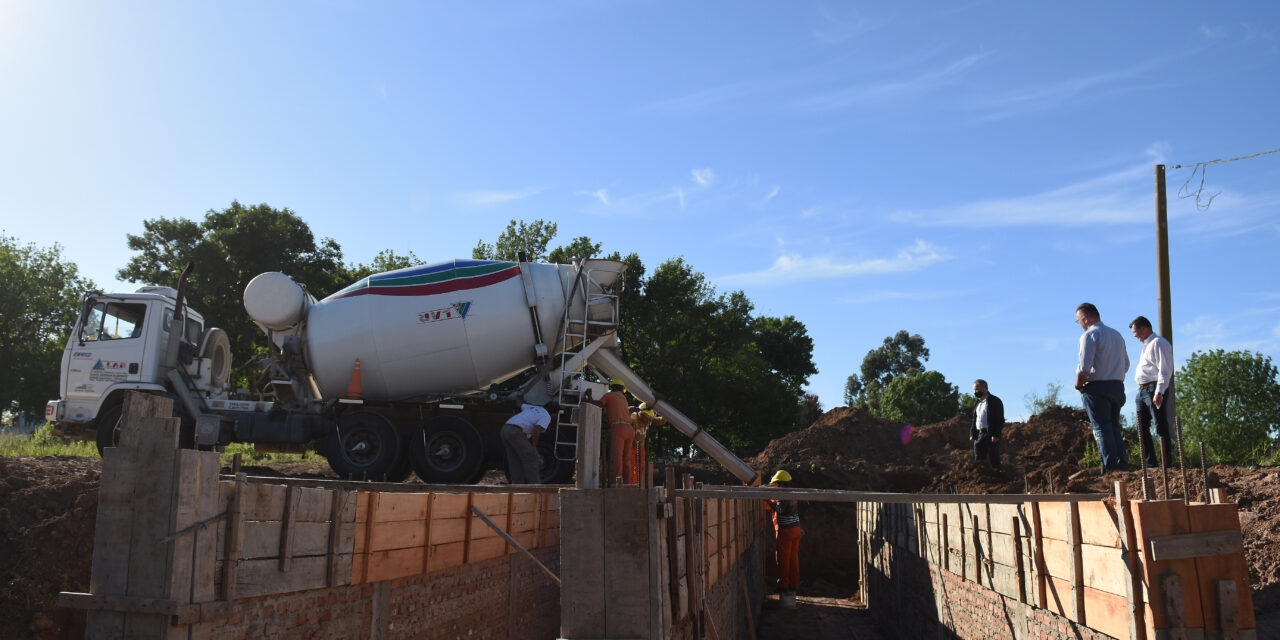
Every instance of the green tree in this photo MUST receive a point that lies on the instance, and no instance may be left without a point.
(901, 353)
(1230, 400)
(38, 305)
(530, 238)
(229, 248)
(581, 248)
(921, 398)
(739, 376)
(386, 260)
(1037, 403)
(810, 410)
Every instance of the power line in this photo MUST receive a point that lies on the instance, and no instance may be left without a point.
(1202, 204)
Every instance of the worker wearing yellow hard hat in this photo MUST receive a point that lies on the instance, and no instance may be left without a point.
(786, 525)
(642, 419)
(622, 433)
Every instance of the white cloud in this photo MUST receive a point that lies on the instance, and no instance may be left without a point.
(704, 177)
(489, 198)
(793, 268)
(602, 195)
(678, 193)
(1213, 31)
(773, 193)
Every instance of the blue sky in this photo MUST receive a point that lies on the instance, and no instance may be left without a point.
(968, 171)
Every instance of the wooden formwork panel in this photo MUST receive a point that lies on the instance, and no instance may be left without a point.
(1205, 518)
(1103, 567)
(1161, 518)
(1098, 522)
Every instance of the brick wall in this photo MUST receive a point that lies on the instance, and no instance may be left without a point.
(496, 599)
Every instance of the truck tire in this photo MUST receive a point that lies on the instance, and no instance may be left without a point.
(363, 446)
(553, 470)
(446, 449)
(108, 427)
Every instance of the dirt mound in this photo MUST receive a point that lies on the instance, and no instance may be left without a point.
(47, 511)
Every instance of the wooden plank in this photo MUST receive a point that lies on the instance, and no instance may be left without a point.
(831, 495)
(262, 540)
(582, 600)
(1106, 612)
(204, 565)
(446, 556)
(398, 507)
(517, 546)
(263, 577)
(1228, 606)
(1196, 545)
(659, 579)
(288, 528)
(109, 572)
(1212, 571)
(1019, 564)
(1133, 580)
(339, 530)
(626, 565)
(402, 487)
(466, 539)
(588, 419)
(1037, 538)
(155, 486)
(1077, 563)
(370, 511)
(1156, 518)
(234, 540)
(426, 532)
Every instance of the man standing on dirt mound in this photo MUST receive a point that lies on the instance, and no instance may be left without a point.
(1153, 375)
(1100, 379)
(988, 423)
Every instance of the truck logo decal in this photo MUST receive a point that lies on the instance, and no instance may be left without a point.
(430, 280)
(82, 355)
(108, 365)
(456, 310)
(84, 388)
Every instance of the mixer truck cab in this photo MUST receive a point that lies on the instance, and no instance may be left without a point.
(117, 345)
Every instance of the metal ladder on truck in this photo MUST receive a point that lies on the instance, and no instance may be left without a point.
(588, 295)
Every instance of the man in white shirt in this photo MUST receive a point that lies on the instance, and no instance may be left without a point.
(520, 440)
(1153, 375)
(1100, 374)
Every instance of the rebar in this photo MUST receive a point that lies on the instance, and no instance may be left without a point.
(1145, 478)
(1164, 472)
(1182, 461)
(1204, 472)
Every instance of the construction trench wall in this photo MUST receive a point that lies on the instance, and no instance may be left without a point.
(1056, 567)
(182, 552)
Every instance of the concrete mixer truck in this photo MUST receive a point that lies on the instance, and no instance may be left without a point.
(391, 374)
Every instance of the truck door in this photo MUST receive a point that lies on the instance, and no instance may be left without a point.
(109, 349)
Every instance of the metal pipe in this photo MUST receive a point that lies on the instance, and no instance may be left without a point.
(608, 361)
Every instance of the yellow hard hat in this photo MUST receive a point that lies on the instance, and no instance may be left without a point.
(617, 382)
(644, 406)
(781, 476)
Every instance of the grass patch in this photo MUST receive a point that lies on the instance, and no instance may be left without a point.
(249, 455)
(43, 444)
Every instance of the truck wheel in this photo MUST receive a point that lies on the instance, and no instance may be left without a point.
(446, 449)
(364, 446)
(109, 427)
(400, 472)
(553, 470)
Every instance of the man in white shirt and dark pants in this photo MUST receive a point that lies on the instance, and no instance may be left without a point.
(1153, 375)
(1100, 375)
(520, 440)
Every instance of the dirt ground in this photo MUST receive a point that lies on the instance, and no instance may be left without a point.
(48, 507)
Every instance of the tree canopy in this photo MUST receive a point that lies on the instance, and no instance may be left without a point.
(530, 238)
(37, 309)
(1230, 400)
(901, 353)
(921, 398)
(229, 248)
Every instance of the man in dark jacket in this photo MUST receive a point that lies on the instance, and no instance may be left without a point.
(988, 423)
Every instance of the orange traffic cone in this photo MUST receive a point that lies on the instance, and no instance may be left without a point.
(354, 386)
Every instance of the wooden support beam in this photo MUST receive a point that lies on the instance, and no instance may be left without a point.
(289, 520)
(1196, 545)
(1017, 555)
(1228, 609)
(1042, 579)
(516, 545)
(1174, 606)
(340, 498)
(1077, 563)
(400, 487)
(1133, 575)
(234, 537)
(829, 495)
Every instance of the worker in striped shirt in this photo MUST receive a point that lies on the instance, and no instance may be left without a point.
(786, 525)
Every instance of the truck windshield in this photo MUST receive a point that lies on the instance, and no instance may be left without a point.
(113, 321)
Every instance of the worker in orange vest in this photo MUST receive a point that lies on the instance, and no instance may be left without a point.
(641, 420)
(622, 435)
(786, 525)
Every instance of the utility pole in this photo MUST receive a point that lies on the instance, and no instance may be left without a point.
(1162, 256)
(1163, 301)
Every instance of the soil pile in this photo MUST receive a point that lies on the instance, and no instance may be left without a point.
(47, 511)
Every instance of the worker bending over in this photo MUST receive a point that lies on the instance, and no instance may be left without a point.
(641, 420)
(786, 525)
(520, 441)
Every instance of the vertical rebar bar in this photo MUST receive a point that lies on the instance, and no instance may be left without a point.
(1145, 478)
(1182, 461)
(1164, 472)
(1204, 472)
